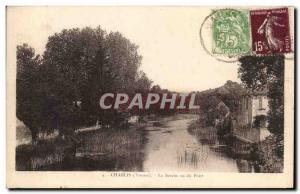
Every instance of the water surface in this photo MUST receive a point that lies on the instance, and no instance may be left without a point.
(173, 148)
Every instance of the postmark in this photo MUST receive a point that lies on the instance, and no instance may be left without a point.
(270, 31)
(231, 33)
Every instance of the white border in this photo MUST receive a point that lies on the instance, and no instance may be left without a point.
(4, 3)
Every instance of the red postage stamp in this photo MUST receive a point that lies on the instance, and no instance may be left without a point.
(270, 31)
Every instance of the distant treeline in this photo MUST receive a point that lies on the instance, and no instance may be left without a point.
(208, 100)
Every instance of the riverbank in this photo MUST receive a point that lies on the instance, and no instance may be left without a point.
(266, 156)
(92, 148)
(174, 143)
(47, 152)
(110, 149)
(89, 148)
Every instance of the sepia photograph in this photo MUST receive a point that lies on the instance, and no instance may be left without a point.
(150, 95)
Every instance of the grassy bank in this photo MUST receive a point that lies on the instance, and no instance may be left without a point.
(109, 149)
(117, 149)
(33, 157)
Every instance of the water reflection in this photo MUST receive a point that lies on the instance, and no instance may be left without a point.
(245, 166)
(191, 155)
(182, 151)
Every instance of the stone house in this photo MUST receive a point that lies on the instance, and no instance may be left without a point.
(253, 109)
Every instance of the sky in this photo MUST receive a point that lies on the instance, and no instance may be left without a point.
(168, 39)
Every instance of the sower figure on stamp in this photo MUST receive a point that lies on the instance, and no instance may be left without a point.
(267, 28)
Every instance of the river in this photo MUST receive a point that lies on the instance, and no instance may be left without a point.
(173, 148)
(165, 144)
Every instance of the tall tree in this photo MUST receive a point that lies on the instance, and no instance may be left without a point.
(143, 83)
(85, 63)
(62, 90)
(122, 64)
(29, 91)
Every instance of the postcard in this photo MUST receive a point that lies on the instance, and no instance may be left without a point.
(150, 97)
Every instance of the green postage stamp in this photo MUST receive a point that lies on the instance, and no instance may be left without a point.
(231, 34)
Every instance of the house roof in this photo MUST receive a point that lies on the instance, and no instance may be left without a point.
(263, 91)
(221, 103)
(257, 92)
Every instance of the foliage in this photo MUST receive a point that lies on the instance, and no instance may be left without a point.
(269, 154)
(61, 90)
(208, 100)
(230, 94)
(29, 95)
